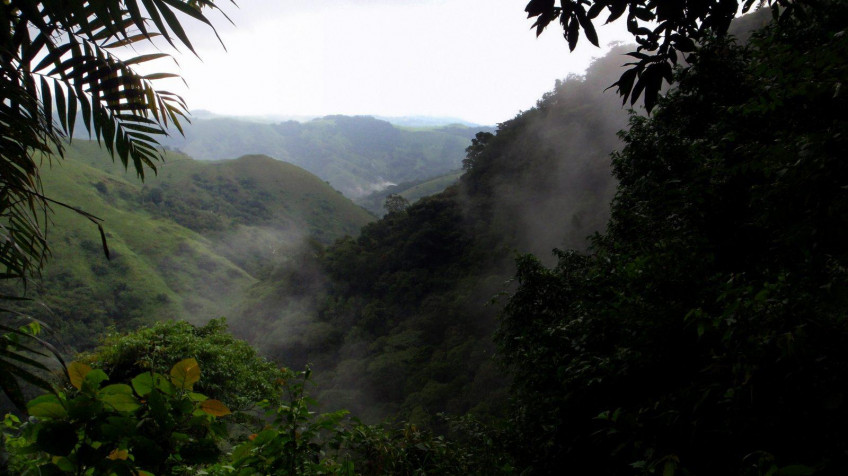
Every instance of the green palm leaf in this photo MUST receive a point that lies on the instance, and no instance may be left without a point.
(57, 60)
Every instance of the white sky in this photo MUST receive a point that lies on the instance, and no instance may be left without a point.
(476, 60)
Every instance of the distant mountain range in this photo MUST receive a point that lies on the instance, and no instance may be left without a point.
(356, 155)
(403, 121)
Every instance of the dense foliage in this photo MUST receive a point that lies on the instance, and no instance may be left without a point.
(410, 294)
(705, 330)
(152, 424)
(158, 423)
(665, 31)
(234, 373)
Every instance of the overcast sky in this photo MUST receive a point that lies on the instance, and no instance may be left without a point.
(476, 60)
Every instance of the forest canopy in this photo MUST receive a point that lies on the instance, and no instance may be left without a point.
(704, 332)
(665, 32)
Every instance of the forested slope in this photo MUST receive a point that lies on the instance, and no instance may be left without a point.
(399, 320)
(183, 245)
(705, 331)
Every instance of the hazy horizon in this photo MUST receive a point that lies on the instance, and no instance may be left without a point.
(474, 60)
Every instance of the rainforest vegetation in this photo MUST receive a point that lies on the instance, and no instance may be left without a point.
(691, 319)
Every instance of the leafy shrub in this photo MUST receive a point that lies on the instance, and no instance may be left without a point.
(299, 441)
(233, 372)
(155, 425)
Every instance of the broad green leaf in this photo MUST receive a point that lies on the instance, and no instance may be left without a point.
(77, 371)
(116, 389)
(163, 384)
(93, 379)
(63, 463)
(143, 384)
(185, 373)
(46, 406)
(83, 407)
(264, 436)
(120, 402)
(214, 408)
(197, 397)
(244, 450)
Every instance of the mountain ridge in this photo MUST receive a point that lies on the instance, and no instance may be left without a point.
(355, 154)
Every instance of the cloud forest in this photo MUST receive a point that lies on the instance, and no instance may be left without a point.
(645, 273)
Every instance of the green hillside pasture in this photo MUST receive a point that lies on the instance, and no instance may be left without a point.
(158, 270)
(186, 243)
(255, 209)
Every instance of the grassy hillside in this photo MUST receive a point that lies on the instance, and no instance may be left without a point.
(185, 244)
(357, 155)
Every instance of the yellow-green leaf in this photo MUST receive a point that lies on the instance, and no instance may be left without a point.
(93, 379)
(77, 372)
(143, 384)
(46, 406)
(214, 408)
(118, 454)
(185, 373)
(197, 397)
(120, 402)
(118, 388)
(63, 463)
(163, 384)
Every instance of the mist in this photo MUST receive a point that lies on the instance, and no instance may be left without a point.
(546, 181)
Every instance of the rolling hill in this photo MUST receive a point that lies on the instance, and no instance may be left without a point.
(357, 155)
(185, 244)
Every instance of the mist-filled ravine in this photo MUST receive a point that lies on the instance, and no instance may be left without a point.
(593, 286)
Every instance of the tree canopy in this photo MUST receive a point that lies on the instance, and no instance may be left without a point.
(704, 332)
(664, 30)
